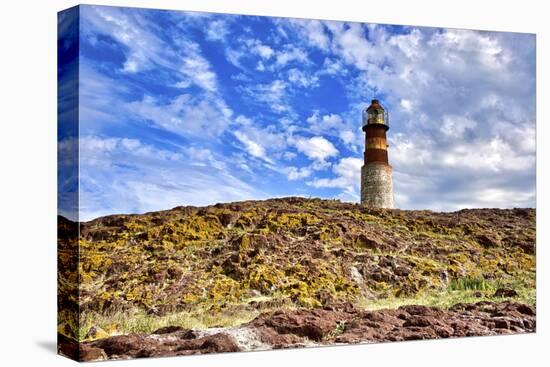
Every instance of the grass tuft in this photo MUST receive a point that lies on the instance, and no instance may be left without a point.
(470, 284)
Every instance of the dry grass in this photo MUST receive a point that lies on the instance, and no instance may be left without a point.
(141, 322)
(460, 291)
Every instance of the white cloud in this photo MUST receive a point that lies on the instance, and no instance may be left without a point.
(325, 122)
(347, 175)
(97, 95)
(521, 137)
(289, 155)
(294, 173)
(252, 147)
(270, 58)
(332, 120)
(408, 43)
(264, 51)
(349, 137)
(268, 143)
(485, 49)
(313, 30)
(234, 56)
(333, 67)
(350, 42)
(274, 94)
(185, 115)
(503, 198)
(254, 46)
(199, 154)
(455, 126)
(316, 34)
(260, 66)
(302, 79)
(97, 151)
(335, 125)
(196, 68)
(276, 90)
(494, 155)
(406, 104)
(217, 30)
(411, 156)
(143, 49)
(289, 54)
(119, 175)
(183, 84)
(316, 148)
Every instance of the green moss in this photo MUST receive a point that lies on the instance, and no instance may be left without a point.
(329, 234)
(289, 222)
(248, 219)
(224, 289)
(244, 243)
(264, 278)
(194, 227)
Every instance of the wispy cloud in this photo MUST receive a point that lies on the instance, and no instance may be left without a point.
(129, 28)
(186, 114)
(217, 30)
(120, 175)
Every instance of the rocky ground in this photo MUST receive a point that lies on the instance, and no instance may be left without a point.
(238, 276)
(301, 328)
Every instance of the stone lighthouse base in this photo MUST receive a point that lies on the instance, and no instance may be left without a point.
(376, 185)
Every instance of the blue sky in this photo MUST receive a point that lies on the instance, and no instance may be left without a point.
(182, 108)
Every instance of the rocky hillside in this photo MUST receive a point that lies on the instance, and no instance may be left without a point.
(228, 264)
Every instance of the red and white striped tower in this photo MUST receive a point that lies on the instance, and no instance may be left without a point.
(376, 173)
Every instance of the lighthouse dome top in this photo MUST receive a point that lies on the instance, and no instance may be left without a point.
(375, 105)
(375, 114)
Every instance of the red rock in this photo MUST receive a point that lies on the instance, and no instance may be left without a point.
(420, 321)
(297, 328)
(406, 323)
(505, 292)
(526, 309)
(89, 353)
(502, 324)
(142, 345)
(313, 324)
(218, 343)
(167, 329)
(488, 240)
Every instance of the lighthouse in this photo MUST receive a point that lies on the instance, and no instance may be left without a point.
(376, 173)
